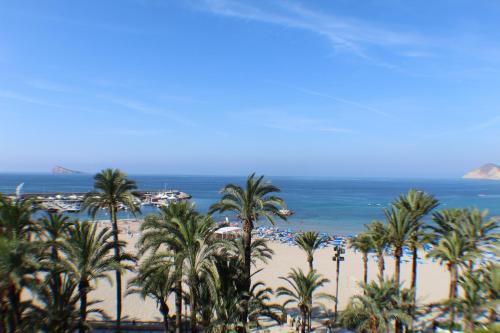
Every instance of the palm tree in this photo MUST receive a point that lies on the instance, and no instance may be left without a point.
(300, 290)
(156, 278)
(52, 230)
(19, 258)
(418, 204)
(375, 310)
(473, 300)
(480, 232)
(446, 221)
(19, 262)
(89, 255)
(56, 307)
(309, 242)
(15, 218)
(227, 298)
(363, 243)
(400, 227)
(254, 202)
(378, 232)
(197, 245)
(491, 284)
(156, 234)
(453, 249)
(112, 189)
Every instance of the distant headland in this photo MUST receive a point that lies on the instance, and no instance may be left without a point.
(59, 170)
(488, 171)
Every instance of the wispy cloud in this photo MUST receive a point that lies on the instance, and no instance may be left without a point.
(134, 132)
(488, 123)
(150, 110)
(344, 33)
(285, 121)
(27, 99)
(47, 85)
(344, 101)
(88, 24)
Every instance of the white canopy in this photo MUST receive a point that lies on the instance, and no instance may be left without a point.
(228, 230)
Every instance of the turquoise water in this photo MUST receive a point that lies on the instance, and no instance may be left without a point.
(325, 204)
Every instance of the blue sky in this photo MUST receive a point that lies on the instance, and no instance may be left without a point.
(326, 88)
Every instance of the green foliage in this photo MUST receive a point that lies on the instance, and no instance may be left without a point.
(377, 308)
(309, 242)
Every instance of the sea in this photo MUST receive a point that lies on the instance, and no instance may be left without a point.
(333, 205)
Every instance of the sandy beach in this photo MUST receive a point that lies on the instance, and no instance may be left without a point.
(432, 282)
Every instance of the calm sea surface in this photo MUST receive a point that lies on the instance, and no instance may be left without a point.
(324, 204)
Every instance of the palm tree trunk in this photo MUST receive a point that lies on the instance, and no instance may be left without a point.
(14, 317)
(414, 267)
(192, 304)
(304, 316)
(82, 289)
(310, 261)
(453, 293)
(381, 266)
(178, 304)
(118, 275)
(164, 311)
(3, 312)
(365, 268)
(398, 327)
(397, 264)
(57, 280)
(492, 313)
(247, 238)
(471, 266)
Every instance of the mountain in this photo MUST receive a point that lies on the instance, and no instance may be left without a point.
(487, 171)
(59, 170)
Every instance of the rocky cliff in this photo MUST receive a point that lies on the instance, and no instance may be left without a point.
(59, 170)
(487, 171)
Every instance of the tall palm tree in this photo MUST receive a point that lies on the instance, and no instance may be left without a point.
(491, 284)
(15, 218)
(56, 307)
(112, 189)
(309, 242)
(53, 230)
(19, 258)
(227, 298)
(374, 311)
(198, 247)
(89, 255)
(301, 290)
(400, 227)
(446, 221)
(418, 204)
(378, 232)
(156, 234)
(471, 304)
(19, 263)
(156, 278)
(254, 202)
(363, 243)
(454, 250)
(480, 231)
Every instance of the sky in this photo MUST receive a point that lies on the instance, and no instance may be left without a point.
(375, 88)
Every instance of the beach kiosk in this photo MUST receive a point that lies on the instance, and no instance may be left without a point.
(228, 232)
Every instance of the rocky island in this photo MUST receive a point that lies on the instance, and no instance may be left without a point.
(488, 171)
(59, 170)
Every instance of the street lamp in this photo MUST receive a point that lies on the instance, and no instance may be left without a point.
(338, 251)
